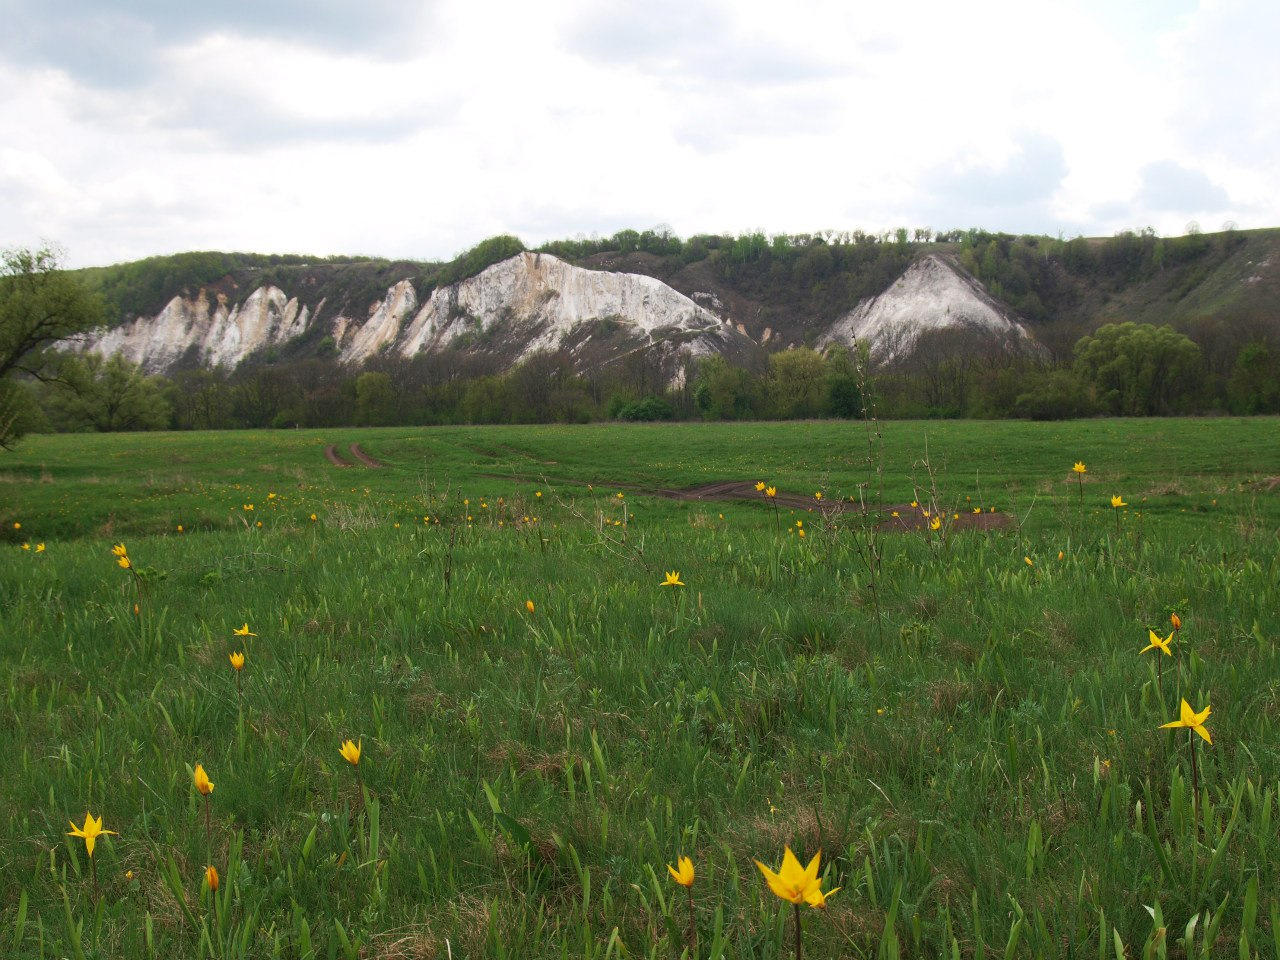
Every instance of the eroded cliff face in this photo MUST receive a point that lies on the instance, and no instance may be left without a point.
(211, 333)
(528, 303)
(539, 302)
(534, 302)
(932, 295)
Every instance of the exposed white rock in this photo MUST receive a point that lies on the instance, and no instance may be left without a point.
(218, 336)
(931, 295)
(539, 301)
(528, 303)
(710, 301)
(382, 329)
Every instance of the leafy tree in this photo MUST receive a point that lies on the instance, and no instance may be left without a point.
(1137, 369)
(844, 392)
(724, 392)
(1254, 386)
(107, 395)
(796, 384)
(39, 304)
(375, 400)
(201, 400)
(1054, 395)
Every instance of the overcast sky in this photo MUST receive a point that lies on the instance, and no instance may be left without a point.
(416, 129)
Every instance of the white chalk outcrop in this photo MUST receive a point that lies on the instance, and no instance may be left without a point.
(537, 302)
(932, 295)
(218, 334)
(527, 303)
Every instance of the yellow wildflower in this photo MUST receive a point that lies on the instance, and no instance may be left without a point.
(1191, 720)
(794, 883)
(202, 781)
(1157, 644)
(351, 752)
(90, 832)
(682, 873)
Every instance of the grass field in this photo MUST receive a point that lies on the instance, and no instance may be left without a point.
(960, 719)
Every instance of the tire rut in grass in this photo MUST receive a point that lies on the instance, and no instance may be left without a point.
(363, 457)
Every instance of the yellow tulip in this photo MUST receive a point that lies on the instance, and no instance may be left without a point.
(682, 873)
(202, 781)
(672, 579)
(1157, 644)
(90, 832)
(211, 878)
(796, 884)
(237, 661)
(1191, 720)
(351, 752)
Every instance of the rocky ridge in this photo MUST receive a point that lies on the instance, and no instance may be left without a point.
(522, 305)
(932, 295)
(535, 301)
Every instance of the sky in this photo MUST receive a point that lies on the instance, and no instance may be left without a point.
(417, 129)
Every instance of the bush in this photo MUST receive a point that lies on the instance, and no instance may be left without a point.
(647, 410)
(1054, 396)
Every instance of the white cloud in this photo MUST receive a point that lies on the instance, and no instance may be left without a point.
(418, 134)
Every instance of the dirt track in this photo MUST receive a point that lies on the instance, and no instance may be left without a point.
(338, 460)
(363, 457)
(908, 517)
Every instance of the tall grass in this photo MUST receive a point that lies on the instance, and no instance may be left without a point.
(985, 776)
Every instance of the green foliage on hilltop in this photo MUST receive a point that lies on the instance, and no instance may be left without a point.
(143, 287)
(471, 262)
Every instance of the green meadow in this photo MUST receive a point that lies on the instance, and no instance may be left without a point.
(960, 719)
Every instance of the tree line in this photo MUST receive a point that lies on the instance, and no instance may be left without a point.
(1120, 369)
(1124, 369)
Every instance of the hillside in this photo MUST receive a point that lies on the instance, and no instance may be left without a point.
(786, 291)
(1038, 294)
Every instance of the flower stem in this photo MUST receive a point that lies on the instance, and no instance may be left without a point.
(1195, 779)
(797, 906)
(693, 929)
